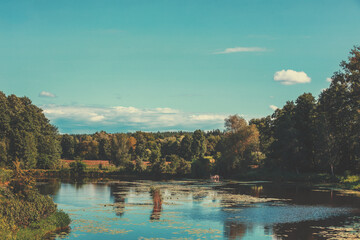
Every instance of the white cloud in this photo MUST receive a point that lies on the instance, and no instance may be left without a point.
(47, 94)
(208, 117)
(241, 49)
(290, 77)
(77, 119)
(329, 80)
(273, 107)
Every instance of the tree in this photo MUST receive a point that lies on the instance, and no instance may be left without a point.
(185, 147)
(266, 133)
(120, 150)
(104, 148)
(304, 114)
(240, 141)
(68, 147)
(339, 107)
(198, 144)
(285, 146)
(77, 168)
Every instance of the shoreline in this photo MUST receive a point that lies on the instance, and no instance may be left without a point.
(312, 179)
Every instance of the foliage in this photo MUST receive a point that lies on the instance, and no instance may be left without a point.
(39, 229)
(240, 141)
(350, 179)
(201, 168)
(5, 175)
(26, 135)
(308, 135)
(24, 211)
(22, 183)
(322, 135)
(77, 168)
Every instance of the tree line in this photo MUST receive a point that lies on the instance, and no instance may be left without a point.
(26, 135)
(317, 135)
(306, 135)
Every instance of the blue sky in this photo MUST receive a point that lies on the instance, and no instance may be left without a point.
(169, 65)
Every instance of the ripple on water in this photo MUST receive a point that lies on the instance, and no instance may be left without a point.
(289, 214)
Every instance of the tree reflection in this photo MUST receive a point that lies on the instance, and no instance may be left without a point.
(157, 202)
(234, 230)
(118, 192)
(256, 190)
(49, 187)
(299, 230)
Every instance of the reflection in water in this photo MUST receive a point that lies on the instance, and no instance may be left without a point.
(49, 186)
(193, 209)
(234, 230)
(157, 202)
(300, 230)
(118, 193)
(256, 190)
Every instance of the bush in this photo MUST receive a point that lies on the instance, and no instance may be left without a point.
(200, 168)
(5, 175)
(77, 168)
(21, 212)
(41, 229)
(350, 179)
(22, 183)
(24, 212)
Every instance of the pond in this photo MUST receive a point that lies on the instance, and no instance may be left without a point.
(192, 209)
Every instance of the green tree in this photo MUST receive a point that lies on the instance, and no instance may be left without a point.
(266, 133)
(240, 141)
(285, 146)
(185, 147)
(104, 149)
(68, 147)
(77, 168)
(304, 114)
(339, 109)
(198, 144)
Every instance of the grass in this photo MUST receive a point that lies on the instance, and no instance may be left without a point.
(5, 175)
(351, 182)
(38, 230)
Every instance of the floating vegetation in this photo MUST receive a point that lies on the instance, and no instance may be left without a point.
(91, 226)
(339, 233)
(173, 238)
(196, 210)
(349, 231)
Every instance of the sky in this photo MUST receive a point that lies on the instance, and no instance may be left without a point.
(168, 65)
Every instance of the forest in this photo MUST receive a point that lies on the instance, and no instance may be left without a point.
(312, 134)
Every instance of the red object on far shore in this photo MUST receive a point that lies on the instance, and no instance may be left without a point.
(89, 162)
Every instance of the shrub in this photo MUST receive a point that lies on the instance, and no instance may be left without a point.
(350, 179)
(22, 182)
(77, 168)
(21, 211)
(5, 175)
(40, 229)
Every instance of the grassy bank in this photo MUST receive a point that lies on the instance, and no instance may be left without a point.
(29, 217)
(24, 212)
(347, 181)
(115, 173)
(5, 175)
(38, 230)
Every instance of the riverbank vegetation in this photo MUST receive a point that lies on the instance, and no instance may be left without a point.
(311, 136)
(24, 212)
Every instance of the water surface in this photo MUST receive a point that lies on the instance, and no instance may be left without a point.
(203, 210)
